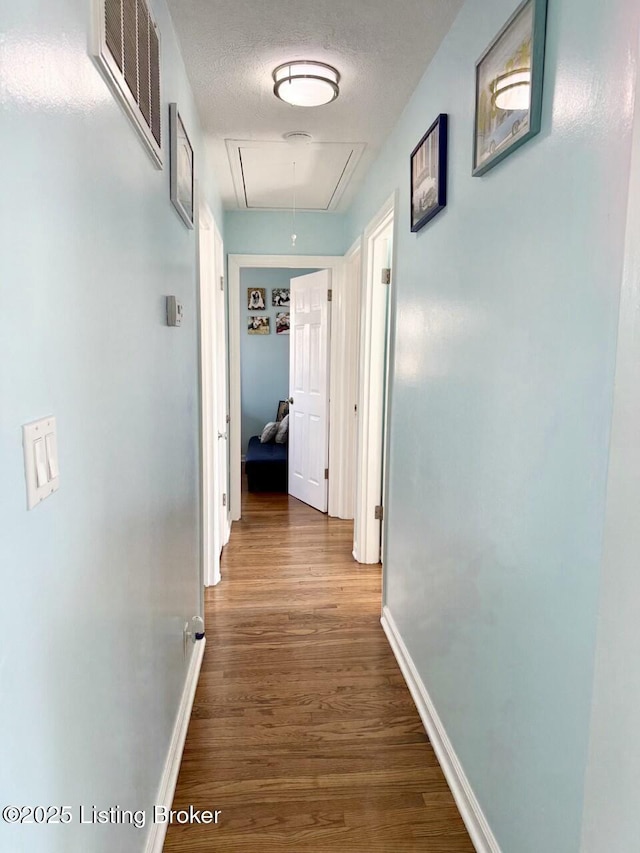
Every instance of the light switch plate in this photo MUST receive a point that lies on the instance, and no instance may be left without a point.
(40, 446)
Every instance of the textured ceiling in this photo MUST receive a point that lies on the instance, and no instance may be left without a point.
(380, 47)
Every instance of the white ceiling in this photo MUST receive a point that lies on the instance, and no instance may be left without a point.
(230, 47)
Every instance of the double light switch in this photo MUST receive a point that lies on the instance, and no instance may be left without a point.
(40, 445)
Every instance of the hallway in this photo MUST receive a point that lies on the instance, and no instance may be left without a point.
(303, 731)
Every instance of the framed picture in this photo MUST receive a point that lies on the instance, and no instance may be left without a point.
(181, 160)
(281, 297)
(256, 298)
(282, 323)
(258, 326)
(429, 174)
(509, 79)
(283, 409)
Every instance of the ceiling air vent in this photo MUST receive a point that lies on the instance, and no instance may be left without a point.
(127, 52)
(298, 136)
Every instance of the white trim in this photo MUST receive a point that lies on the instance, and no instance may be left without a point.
(468, 805)
(200, 208)
(389, 369)
(167, 788)
(345, 331)
(373, 382)
(235, 264)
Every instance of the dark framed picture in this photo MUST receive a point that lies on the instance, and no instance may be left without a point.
(280, 297)
(283, 409)
(509, 81)
(256, 298)
(258, 326)
(429, 174)
(181, 166)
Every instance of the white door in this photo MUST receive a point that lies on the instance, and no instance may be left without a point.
(221, 399)
(309, 389)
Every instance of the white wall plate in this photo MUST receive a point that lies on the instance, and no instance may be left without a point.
(40, 445)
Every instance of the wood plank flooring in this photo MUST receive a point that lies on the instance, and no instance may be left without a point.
(303, 731)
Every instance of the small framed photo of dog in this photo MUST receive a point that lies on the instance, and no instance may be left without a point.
(258, 325)
(282, 323)
(281, 297)
(256, 298)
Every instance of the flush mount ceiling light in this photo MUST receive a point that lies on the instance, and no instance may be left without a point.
(512, 91)
(305, 83)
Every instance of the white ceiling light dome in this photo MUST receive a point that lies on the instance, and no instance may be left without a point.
(306, 83)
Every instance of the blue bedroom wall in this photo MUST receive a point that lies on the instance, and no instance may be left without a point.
(502, 378)
(97, 581)
(264, 358)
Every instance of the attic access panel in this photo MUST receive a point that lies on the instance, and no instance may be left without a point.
(263, 173)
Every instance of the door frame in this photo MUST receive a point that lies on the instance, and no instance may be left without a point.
(374, 393)
(207, 265)
(346, 338)
(221, 362)
(336, 408)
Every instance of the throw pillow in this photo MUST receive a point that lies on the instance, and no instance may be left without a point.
(269, 432)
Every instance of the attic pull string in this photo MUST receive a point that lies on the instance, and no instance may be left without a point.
(294, 236)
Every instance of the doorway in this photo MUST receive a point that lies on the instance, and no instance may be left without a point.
(237, 322)
(376, 328)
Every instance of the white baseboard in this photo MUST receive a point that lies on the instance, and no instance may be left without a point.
(158, 831)
(468, 806)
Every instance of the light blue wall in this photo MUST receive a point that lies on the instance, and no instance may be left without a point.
(269, 233)
(98, 580)
(611, 815)
(264, 359)
(502, 382)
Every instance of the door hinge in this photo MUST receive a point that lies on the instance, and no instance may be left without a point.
(326, 473)
(228, 418)
(224, 500)
(379, 513)
(221, 282)
(386, 276)
(330, 295)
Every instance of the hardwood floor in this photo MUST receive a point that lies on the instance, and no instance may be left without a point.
(303, 731)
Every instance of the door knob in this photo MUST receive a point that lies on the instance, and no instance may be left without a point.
(291, 401)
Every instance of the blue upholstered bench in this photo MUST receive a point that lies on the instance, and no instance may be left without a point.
(266, 466)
